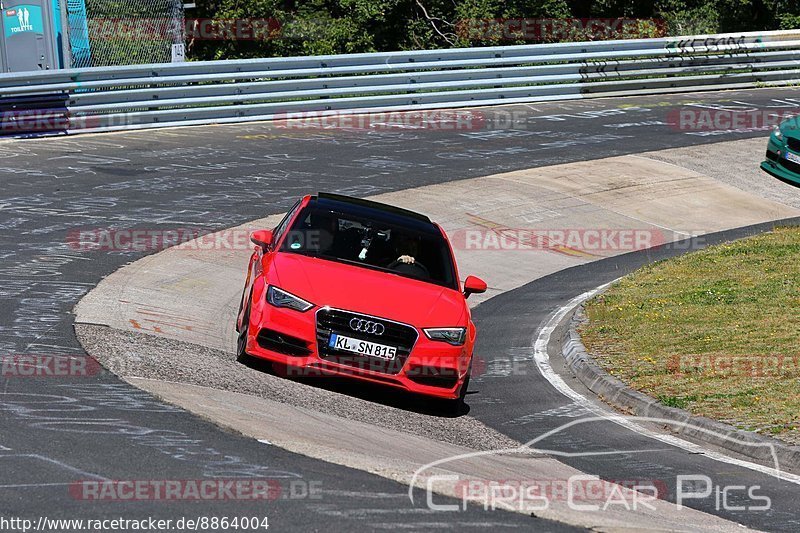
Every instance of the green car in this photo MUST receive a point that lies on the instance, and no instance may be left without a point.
(783, 152)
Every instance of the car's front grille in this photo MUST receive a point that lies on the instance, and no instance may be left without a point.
(772, 156)
(401, 336)
(793, 143)
(791, 166)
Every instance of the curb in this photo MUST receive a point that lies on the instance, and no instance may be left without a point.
(764, 450)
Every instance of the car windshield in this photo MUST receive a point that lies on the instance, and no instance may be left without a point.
(347, 238)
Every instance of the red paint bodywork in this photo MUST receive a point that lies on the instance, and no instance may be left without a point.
(352, 288)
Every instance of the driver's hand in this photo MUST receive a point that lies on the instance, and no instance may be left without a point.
(407, 259)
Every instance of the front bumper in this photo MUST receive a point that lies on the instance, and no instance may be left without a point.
(778, 166)
(293, 339)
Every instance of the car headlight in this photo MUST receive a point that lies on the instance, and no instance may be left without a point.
(454, 336)
(281, 298)
(776, 131)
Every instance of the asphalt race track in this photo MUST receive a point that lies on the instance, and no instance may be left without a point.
(56, 432)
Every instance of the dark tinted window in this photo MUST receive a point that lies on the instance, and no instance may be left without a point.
(281, 227)
(349, 238)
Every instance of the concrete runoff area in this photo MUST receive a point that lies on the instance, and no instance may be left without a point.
(734, 166)
(191, 296)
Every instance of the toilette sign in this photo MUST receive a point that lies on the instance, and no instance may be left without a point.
(23, 18)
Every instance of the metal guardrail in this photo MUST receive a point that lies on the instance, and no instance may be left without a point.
(158, 95)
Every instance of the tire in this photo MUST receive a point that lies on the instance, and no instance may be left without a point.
(458, 406)
(241, 341)
(463, 393)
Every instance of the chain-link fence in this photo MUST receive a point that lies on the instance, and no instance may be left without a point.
(124, 32)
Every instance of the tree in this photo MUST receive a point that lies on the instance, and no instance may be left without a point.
(312, 27)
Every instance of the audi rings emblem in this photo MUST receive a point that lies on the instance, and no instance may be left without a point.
(367, 326)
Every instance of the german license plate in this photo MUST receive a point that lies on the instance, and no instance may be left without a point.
(372, 349)
(792, 157)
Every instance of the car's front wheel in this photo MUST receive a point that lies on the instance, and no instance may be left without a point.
(458, 406)
(463, 393)
(241, 341)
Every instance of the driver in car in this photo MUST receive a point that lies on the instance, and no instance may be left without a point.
(406, 263)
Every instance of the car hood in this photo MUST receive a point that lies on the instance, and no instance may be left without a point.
(791, 127)
(372, 292)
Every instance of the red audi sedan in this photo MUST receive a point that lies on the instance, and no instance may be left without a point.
(344, 286)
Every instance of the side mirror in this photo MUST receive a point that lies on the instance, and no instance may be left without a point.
(473, 285)
(262, 238)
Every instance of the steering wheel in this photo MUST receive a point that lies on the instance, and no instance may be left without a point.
(415, 268)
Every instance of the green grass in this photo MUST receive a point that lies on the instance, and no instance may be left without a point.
(716, 332)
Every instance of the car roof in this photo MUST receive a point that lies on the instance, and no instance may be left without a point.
(374, 211)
